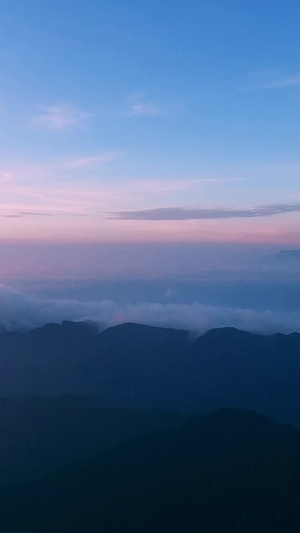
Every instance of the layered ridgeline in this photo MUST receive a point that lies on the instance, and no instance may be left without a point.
(229, 471)
(117, 460)
(136, 366)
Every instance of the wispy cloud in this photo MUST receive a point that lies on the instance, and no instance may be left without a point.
(78, 186)
(28, 174)
(64, 116)
(53, 200)
(204, 213)
(269, 79)
(159, 186)
(23, 214)
(51, 208)
(292, 81)
(5, 177)
(89, 161)
(144, 109)
(139, 106)
(59, 117)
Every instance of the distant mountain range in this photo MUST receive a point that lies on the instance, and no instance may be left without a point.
(285, 258)
(143, 367)
(288, 255)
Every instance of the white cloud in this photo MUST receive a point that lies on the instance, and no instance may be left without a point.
(18, 310)
(59, 117)
(139, 106)
(144, 109)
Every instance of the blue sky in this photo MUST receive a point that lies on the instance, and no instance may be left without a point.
(109, 109)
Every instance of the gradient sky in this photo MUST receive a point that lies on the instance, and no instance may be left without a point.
(129, 121)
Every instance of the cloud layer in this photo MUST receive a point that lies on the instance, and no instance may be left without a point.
(20, 312)
(204, 213)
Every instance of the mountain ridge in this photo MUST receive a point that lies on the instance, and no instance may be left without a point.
(144, 367)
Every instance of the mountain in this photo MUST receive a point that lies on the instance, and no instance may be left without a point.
(143, 367)
(229, 471)
(288, 255)
(39, 435)
(284, 260)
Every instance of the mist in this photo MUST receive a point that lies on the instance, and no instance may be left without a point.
(195, 287)
(23, 311)
(103, 260)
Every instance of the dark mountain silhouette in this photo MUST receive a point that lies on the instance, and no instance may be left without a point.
(284, 260)
(144, 367)
(287, 255)
(229, 471)
(38, 435)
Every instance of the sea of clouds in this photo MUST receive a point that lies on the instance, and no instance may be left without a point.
(20, 311)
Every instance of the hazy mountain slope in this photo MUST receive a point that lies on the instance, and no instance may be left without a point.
(230, 471)
(40, 435)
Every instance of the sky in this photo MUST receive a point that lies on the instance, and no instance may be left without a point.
(127, 122)
(149, 162)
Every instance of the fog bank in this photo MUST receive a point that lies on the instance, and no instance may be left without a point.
(19, 311)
